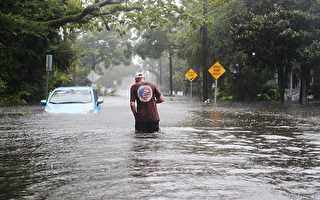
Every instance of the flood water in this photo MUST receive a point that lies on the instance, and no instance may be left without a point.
(202, 152)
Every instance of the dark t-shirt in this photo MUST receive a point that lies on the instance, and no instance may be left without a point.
(145, 93)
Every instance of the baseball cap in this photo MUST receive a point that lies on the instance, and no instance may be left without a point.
(139, 75)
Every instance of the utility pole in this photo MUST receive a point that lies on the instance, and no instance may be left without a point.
(204, 53)
(160, 71)
(170, 66)
(74, 70)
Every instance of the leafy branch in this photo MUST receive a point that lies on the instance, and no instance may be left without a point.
(85, 15)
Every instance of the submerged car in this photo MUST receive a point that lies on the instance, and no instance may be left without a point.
(76, 99)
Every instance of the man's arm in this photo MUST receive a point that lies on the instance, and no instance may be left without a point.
(133, 108)
(160, 99)
(133, 101)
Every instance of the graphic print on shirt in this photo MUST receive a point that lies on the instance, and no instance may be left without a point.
(145, 93)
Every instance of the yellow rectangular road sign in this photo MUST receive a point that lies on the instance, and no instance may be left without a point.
(216, 70)
(191, 75)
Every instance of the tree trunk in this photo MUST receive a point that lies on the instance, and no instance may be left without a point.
(283, 72)
(305, 71)
(282, 92)
(160, 72)
(282, 84)
(170, 66)
(303, 92)
(74, 70)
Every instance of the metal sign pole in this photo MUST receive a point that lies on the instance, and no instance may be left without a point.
(47, 85)
(48, 69)
(191, 88)
(215, 92)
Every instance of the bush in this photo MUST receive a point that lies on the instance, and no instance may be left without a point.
(269, 93)
(315, 91)
(6, 99)
(2, 87)
(30, 93)
(11, 100)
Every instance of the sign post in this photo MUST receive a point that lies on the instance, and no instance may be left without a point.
(191, 75)
(48, 69)
(93, 77)
(216, 71)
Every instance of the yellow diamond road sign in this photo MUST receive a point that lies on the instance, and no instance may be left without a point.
(217, 70)
(191, 75)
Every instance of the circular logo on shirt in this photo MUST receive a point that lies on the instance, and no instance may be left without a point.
(145, 93)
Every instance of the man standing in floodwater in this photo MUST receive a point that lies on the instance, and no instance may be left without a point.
(147, 96)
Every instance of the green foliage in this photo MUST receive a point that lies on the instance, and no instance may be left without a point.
(178, 79)
(253, 39)
(24, 42)
(106, 48)
(64, 55)
(246, 84)
(99, 89)
(26, 113)
(2, 88)
(269, 93)
(60, 79)
(18, 61)
(278, 36)
(223, 98)
(315, 91)
(224, 90)
(29, 92)
(11, 100)
(82, 73)
(154, 43)
(32, 29)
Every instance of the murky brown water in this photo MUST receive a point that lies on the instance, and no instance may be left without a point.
(203, 152)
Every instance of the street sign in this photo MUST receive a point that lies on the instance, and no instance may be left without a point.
(93, 77)
(216, 70)
(191, 75)
(49, 63)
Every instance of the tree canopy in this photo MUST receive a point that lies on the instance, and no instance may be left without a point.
(33, 28)
(257, 41)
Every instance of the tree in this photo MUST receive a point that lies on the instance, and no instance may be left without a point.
(276, 38)
(108, 48)
(198, 17)
(309, 58)
(154, 43)
(309, 53)
(32, 29)
(24, 42)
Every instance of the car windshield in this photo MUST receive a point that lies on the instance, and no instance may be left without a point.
(71, 96)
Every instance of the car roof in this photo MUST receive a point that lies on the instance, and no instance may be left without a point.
(74, 88)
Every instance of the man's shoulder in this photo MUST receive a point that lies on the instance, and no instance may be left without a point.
(143, 83)
(149, 83)
(135, 85)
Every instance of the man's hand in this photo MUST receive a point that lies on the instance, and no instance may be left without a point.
(160, 100)
(133, 108)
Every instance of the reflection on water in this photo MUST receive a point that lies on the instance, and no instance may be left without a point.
(203, 152)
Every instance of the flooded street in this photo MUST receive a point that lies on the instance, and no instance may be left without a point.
(202, 152)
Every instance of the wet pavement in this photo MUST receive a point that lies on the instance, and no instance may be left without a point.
(232, 151)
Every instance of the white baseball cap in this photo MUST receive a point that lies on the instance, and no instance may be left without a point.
(139, 75)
